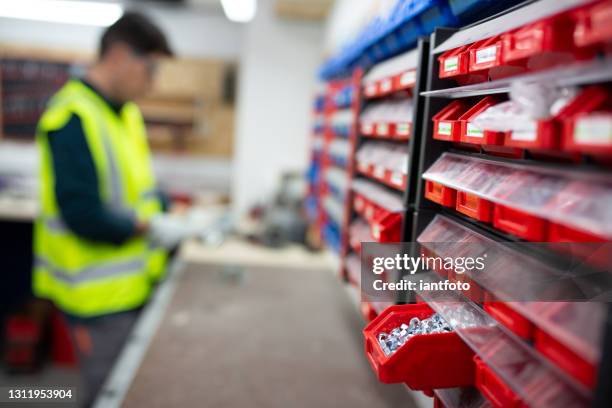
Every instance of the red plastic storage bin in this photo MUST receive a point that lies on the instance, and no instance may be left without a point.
(551, 34)
(443, 359)
(589, 133)
(510, 318)
(387, 227)
(563, 233)
(593, 25)
(520, 223)
(405, 80)
(454, 62)
(587, 122)
(439, 193)
(565, 358)
(543, 135)
(493, 388)
(474, 206)
(485, 54)
(446, 122)
(471, 134)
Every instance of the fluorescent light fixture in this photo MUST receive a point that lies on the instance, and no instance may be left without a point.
(240, 11)
(63, 11)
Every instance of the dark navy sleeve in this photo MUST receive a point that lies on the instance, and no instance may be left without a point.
(77, 192)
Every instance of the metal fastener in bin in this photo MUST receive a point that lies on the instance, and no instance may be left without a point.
(391, 341)
(443, 359)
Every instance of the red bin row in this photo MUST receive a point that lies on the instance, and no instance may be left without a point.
(510, 220)
(582, 126)
(569, 36)
(385, 225)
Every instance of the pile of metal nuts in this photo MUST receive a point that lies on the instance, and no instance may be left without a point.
(390, 342)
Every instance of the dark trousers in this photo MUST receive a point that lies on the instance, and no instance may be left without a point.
(98, 342)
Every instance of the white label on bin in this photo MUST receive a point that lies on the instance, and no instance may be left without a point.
(473, 131)
(376, 232)
(367, 128)
(444, 128)
(527, 133)
(371, 89)
(408, 78)
(397, 179)
(451, 64)
(363, 167)
(369, 212)
(379, 172)
(382, 129)
(595, 129)
(359, 203)
(403, 129)
(486, 54)
(385, 86)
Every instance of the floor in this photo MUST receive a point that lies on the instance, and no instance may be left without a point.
(260, 337)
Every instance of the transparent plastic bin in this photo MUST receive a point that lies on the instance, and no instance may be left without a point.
(515, 365)
(526, 197)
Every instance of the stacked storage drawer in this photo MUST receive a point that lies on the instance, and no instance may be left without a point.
(380, 164)
(543, 180)
(332, 148)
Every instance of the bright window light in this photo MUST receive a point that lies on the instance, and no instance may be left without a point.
(63, 11)
(240, 11)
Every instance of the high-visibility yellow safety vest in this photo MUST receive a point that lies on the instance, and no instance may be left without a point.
(82, 277)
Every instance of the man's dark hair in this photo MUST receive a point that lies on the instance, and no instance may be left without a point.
(138, 32)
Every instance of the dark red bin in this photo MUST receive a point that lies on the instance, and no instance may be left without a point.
(520, 223)
(439, 193)
(510, 318)
(474, 206)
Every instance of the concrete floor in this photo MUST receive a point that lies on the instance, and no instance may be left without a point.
(260, 337)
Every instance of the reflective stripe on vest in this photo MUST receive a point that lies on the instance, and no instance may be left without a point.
(93, 273)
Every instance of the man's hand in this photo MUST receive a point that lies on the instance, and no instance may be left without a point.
(167, 231)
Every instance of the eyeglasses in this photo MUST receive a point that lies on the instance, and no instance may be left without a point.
(151, 64)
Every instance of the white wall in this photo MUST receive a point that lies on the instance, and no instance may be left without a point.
(191, 33)
(277, 81)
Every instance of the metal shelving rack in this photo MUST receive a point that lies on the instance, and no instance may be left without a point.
(407, 196)
(440, 93)
(430, 95)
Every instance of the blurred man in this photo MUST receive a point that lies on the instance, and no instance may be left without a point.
(98, 197)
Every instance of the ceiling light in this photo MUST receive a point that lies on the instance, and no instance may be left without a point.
(63, 11)
(240, 11)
